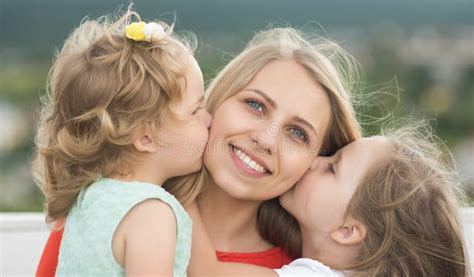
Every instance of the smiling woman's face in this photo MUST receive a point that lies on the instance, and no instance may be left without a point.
(265, 137)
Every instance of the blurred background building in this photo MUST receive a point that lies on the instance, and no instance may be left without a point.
(420, 51)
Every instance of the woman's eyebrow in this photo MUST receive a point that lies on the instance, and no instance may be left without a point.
(306, 123)
(265, 96)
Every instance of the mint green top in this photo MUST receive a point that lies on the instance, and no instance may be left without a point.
(86, 246)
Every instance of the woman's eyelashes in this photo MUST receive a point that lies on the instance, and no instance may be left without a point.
(256, 105)
(299, 134)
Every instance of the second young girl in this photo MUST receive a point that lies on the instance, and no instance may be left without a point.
(124, 114)
(381, 206)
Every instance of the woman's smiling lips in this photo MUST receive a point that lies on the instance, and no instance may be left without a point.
(248, 163)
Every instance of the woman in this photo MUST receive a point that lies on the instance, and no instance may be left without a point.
(276, 106)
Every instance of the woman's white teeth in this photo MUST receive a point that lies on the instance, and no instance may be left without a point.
(249, 162)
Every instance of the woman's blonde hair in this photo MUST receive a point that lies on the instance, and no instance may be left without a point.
(101, 89)
(410, 207)
(327, 63)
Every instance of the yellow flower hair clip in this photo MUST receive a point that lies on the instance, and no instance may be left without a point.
(141, 31)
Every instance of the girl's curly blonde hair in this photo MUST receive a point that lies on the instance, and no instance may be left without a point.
(101, 89)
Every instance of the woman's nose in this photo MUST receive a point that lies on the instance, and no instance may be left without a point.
(267, 137)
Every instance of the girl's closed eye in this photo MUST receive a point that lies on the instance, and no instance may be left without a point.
(332, 168)
(197, 110)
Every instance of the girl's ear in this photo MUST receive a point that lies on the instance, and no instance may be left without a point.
(144, 143)
(353, 232)
(145, 140)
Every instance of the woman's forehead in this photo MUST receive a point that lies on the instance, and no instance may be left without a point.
(289, 88)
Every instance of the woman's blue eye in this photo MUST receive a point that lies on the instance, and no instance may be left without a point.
(255, 105)
(300, 134)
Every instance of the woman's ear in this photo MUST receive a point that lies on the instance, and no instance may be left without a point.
(353, 232)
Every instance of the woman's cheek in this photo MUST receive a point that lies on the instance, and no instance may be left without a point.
(227, 119)
(298, 163)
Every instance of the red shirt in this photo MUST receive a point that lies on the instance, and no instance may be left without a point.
(273, 258)
(49, 259)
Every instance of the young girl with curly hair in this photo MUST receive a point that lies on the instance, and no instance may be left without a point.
(123, 114)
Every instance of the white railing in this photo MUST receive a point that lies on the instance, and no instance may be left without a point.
(23, 235)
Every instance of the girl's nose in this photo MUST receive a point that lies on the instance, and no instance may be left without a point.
(320, 160)
(207, 119)
(315, 163)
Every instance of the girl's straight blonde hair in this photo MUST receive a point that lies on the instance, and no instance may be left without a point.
(329, 65)
(410, 207)
(101, 89)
